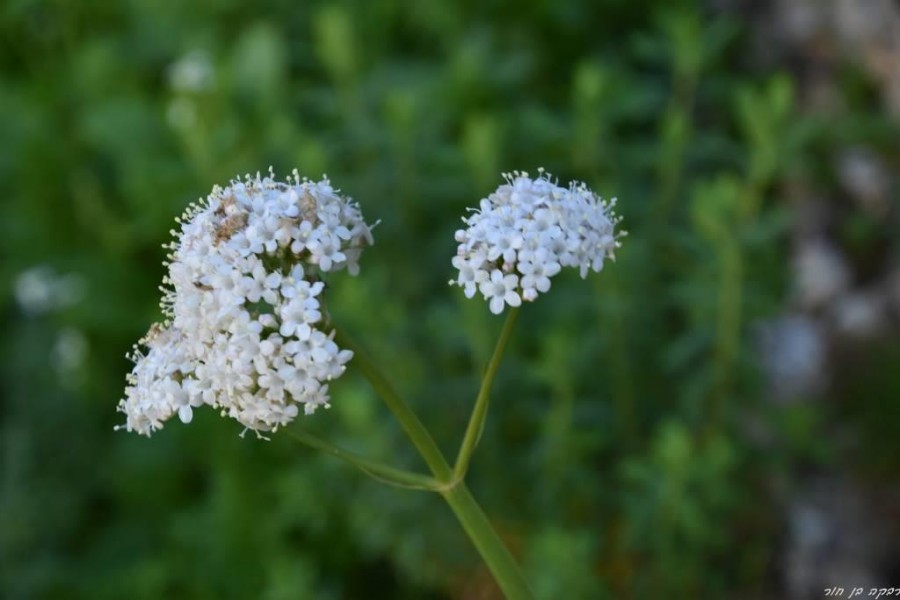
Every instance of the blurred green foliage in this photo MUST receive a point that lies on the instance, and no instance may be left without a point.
(611, 463)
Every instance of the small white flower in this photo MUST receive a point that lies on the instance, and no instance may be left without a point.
(261, 285)
(298, 315)
(504, 243)
(470, 273)
(325, 247)
(536, 273)
(500, 289)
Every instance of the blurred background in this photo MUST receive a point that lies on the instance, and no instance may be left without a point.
(713, 416)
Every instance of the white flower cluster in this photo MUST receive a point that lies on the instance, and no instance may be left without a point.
(526, 232)
(246, 329)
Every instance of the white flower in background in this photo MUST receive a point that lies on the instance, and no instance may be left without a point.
(526, 232)
(193, 72)
(41, 290)
(246, 331)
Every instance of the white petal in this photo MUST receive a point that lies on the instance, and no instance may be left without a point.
(185, 414)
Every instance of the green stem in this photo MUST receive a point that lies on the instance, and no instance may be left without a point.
(498, 558)
(414, 428)
(479, 412)
(380, 471)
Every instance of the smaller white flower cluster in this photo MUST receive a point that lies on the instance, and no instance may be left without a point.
(526, 232)
(246, 329)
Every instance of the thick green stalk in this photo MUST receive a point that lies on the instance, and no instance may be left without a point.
(479, 412)
(414, 428)
(498, 558)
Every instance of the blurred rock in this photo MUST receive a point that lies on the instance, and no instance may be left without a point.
(870, 30)
(865, 178)
(860, 314)
(820, 274)
(864, 22)
(793, 355)
(835, 537)
(799, 21)
(824, 33)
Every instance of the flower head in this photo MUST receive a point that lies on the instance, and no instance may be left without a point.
(246, 329)
(526, 232)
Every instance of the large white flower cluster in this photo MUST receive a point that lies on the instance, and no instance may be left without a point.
(526, 232)
(246, 330)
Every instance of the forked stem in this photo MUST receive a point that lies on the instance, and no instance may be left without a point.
(475, 523)
(415, 430)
